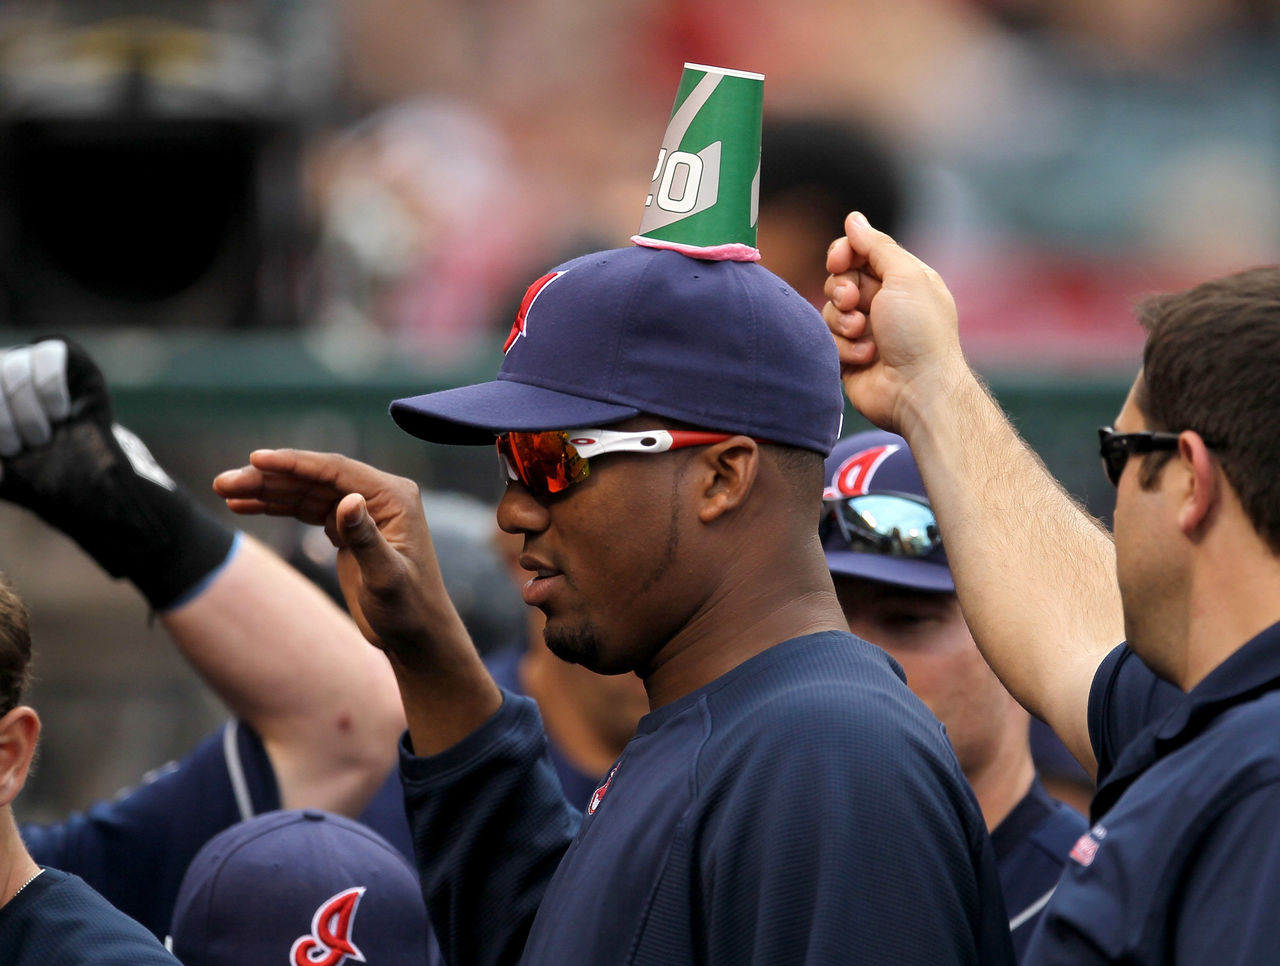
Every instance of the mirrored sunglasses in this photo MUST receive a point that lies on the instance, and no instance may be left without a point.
(553, 460)
(881, 523)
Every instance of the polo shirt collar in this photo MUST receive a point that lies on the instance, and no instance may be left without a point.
(1252, 670)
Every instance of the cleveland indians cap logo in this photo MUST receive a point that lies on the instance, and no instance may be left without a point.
(330, 942)
(853, 476)
(530, 296)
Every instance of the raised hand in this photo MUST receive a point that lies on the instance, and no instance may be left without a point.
(895, 326)
(386, 562)
(389, 575)
(63, 456)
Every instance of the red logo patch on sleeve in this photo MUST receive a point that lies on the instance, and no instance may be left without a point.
(1086, 847)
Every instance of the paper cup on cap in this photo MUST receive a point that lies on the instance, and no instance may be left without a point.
(704, 198)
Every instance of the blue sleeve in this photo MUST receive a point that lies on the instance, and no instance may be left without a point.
(490, 825)
(1229, 905)
(135, 848)
(1126, 696)
(837, 852)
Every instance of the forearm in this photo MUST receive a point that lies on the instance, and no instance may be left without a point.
(450, 698)
(293, 665)
(1034, 572)
(490, 825)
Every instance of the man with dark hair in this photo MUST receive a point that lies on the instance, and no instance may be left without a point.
(1182, 863)
(787, 799)
(46, 916)
(890, 571)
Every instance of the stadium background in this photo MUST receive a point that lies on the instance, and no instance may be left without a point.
(267, 219)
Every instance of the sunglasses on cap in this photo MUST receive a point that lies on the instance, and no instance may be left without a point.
(1116, 448)
(881, 523)
(553, 460)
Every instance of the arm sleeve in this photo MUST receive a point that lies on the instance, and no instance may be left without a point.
(490, 824)
(135, 848)
(828, 855)
(1126, 697)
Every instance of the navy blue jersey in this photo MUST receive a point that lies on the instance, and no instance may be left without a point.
(1031, 846)
(1182, 864)
(805, 806)
(58, 919)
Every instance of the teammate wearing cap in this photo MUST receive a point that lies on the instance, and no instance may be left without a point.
(300, 887)
(891, 575)
(764, 807)
(46, 916)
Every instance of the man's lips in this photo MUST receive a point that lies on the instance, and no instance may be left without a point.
(542, 584)
(536, 591)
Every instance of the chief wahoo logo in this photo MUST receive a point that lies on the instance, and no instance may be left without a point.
(330, 942)
(530, 296)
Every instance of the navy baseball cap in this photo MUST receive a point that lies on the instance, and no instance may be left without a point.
(297, 887)
(876, 463)
(720, 345)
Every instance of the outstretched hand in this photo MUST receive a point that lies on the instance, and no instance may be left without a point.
(894, 323)
(389, 575)
(386, 562)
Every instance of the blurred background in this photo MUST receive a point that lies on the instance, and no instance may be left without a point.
(267, 219)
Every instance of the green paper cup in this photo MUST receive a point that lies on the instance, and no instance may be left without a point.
(705, 194)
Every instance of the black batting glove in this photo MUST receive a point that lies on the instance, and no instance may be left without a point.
(63, 457)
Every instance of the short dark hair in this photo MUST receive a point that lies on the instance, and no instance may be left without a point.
(834, 166)
(1212, 364)
(15, 647)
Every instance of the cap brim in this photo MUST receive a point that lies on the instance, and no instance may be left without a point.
(899, 571)
(472, 415)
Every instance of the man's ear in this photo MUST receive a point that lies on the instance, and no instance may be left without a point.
(1203, 483)
(730, 470)
(19, 732)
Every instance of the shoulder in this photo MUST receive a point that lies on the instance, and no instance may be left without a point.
(58, 918)
(834, 688)
(1125, 697)
(831, 718)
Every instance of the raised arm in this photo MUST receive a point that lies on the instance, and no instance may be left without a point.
(277, 651)
(390, 578)
(1034, 572)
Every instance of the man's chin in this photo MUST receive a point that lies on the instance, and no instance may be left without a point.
(579, 644)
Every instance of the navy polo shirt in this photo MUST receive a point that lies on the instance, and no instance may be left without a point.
(1182, 864)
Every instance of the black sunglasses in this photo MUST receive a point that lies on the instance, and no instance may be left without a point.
(1116, 448)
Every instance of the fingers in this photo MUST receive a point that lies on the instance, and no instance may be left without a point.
(49, 371)
(250, 491)
(855, 353)
(33, 392)
(309, 487)
(879, 252)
